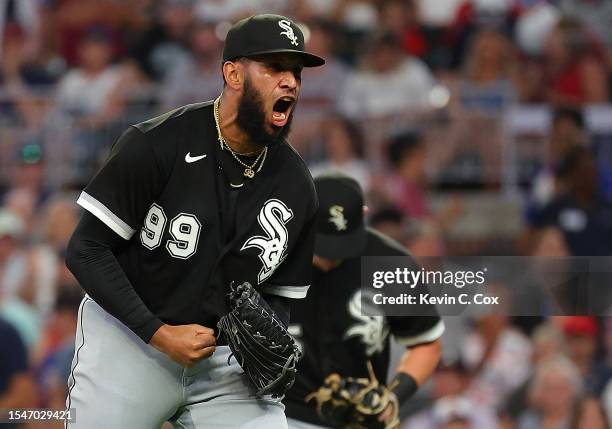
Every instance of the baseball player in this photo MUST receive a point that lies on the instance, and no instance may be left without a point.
(188, 203)
(335, 336)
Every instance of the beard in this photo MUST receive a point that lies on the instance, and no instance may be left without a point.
(251, 118)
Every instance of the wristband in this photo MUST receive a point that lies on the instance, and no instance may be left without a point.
(405, 386)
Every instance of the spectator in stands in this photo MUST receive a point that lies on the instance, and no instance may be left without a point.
(567, 131)
(579, 211)
(581, 336)
(475, 15)
(479, 94)
(321, 88)
(343, 146)
(548, 341)
(29, 190)
(90, 99)
(589, 414)
(498, 354)
(24, 80)
(402, 18)
(574, 72)
(450, 405)
(407, 154)
(486, 83)
(14, 278)
(322, 85)
(165, 42)
(13, 259)
(71, 21)
(56, 348)
(555, 387)
(550, 286)
(390, 83)
(46, 266)
(90, 92)
(407, 186)
(16, 385)
(196, 78)
(437, 18)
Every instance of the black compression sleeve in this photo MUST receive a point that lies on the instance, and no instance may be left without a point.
(91, 260)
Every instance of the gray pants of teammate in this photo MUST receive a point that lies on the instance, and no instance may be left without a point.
(117, 381)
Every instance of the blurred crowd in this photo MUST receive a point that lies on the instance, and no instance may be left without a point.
(418, 101)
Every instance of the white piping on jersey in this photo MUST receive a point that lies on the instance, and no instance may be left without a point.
(286, 291)
(103, 213)
(428, 336)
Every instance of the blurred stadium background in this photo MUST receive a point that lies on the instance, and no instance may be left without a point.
(476, 127)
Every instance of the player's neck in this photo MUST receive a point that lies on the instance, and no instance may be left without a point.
(233, 135)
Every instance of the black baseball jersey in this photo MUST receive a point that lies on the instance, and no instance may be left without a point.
(170, 191)
(336, 337)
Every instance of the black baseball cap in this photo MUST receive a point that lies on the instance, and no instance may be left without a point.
(267, 34)
(341, 231)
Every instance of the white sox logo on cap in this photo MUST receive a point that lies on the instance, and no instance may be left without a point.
(286, 25)
(337, 217)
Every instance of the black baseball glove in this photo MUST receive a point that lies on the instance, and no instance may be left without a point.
(355, 403)
(259, 341)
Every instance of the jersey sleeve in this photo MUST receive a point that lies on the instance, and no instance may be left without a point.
(412, 331)
(292, 279)
(122, 191)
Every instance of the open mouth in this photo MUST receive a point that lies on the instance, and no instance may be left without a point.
(281, 109)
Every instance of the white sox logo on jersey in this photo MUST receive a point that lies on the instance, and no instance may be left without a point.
(337, 217)
(272, 218)
(286, 25)
(371, 330)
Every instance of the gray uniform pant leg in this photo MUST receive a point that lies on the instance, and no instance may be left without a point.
(116, 380)
(220, 396)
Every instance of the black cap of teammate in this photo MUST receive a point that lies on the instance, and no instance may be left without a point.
(341, 232)
(267, 34)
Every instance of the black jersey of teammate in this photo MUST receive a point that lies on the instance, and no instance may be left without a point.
(336, 337)
(161, 191)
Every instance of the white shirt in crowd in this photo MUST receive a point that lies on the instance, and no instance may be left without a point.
(370, 94)
(82, 94)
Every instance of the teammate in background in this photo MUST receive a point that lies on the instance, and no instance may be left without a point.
(334, 334)
(187, 203)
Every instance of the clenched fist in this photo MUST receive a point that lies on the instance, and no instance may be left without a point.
(186, 344)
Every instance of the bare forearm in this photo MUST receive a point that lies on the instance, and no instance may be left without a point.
(421, 361)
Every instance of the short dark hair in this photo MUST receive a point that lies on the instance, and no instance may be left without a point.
(353, 131)
(387, 214)
(402, 145)
(573, 114)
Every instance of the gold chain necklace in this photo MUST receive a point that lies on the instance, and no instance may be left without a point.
(248, 169)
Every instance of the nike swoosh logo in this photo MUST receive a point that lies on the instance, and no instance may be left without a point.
(189, 159)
